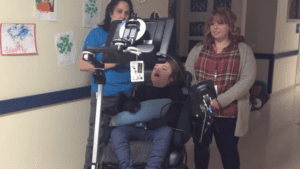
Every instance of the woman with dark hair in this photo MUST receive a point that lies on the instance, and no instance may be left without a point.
(117, 75)
(228, 61)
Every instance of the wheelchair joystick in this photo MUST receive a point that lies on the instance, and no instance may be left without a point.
(202, 95)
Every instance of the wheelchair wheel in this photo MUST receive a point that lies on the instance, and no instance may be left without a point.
(257, 103)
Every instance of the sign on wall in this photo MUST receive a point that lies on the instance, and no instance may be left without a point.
(45, 9)
(18, 39)
(65, 49)
(198, 5)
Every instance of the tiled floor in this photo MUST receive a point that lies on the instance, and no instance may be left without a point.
(273, 140)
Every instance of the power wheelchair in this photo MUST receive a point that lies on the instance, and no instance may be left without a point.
(195, 118)
(176, 156)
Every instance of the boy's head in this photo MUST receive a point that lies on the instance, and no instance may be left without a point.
(171, 72)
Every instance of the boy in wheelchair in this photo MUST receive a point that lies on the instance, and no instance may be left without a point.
(149, 115)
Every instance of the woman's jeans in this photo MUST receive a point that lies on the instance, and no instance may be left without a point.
(161, 137)
(223, 131)
(104, 123)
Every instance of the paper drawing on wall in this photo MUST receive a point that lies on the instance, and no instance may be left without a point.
(65, 49)
(198, 5)
(222, 4)
(196, 28)
(18, 39)
(91, 13)
(45, 9)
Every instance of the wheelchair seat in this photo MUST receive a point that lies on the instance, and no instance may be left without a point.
(176, 156)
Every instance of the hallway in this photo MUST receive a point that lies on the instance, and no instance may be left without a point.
(273, 140)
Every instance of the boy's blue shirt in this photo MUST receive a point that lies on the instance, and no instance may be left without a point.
(118, 77)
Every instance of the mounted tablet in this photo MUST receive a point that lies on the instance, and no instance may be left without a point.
(136, 39)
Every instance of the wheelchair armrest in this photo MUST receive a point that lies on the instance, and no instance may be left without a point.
(180, 138)
(188, 80)
(176, 155)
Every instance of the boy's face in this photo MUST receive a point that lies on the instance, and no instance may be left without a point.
(161, 75)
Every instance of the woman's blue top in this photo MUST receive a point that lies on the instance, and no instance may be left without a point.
(118, 77)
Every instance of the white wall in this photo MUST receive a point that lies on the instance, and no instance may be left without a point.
(51, 136)
(286, 39)
(268, 29)
(45, 138)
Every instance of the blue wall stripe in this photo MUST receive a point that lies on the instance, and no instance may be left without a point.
(286, 54)
(28, 102)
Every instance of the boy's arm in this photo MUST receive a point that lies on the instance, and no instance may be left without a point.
(173, 113)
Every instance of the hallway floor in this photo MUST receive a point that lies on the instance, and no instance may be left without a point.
(273, 140)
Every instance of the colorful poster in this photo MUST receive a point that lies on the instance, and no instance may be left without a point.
(65, 48)
(91, 13)
(45, 9)
(18, 39)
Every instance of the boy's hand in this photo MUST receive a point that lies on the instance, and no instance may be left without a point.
(131, 106)
(122, 98)
(155, 123)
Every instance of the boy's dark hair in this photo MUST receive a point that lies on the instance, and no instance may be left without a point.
(109, 11)
(178, 72)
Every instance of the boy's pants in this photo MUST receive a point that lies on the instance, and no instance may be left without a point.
(161, 137)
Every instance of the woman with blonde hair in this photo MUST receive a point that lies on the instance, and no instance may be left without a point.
(225, 58)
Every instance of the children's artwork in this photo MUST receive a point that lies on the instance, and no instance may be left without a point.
(91, 13)
(18, 39)
(45, 9)
(65, 48)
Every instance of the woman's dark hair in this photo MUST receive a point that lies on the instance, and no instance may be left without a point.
(110, 10)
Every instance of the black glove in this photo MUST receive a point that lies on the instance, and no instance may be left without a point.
(131, 106)
(121, 100)
(155, 123)
(119, 105)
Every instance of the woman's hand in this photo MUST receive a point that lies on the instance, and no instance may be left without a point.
(215, 105)
(86, 66)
